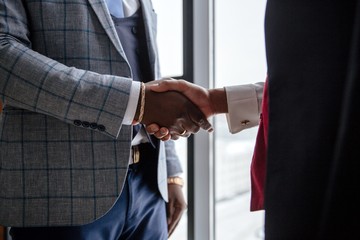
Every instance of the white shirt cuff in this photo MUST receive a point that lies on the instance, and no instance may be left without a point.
(244, 104)
(132, 103)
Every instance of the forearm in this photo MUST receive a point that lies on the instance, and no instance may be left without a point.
(37, 83)
(43, 73)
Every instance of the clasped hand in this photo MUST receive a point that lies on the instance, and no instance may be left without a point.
(173, 111)
(177, 108)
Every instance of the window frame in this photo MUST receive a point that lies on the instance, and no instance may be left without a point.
(198, 68)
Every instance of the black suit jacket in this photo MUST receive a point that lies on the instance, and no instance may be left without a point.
(313, 180)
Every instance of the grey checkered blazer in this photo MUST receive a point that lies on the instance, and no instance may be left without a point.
(65, 82)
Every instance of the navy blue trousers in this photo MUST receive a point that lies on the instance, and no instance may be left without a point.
(139, 213)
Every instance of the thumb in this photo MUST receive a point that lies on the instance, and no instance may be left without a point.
(157, 87)
(168, 85)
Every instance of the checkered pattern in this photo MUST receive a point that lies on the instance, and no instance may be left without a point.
(56, 58)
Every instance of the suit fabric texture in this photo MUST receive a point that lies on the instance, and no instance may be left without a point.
(64, 83)
(312, 179)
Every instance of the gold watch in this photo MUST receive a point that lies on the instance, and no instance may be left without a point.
(176, 181)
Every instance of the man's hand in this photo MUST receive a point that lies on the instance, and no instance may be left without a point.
(197, 94)
(175, 207)
(173, 111)
(210, 102)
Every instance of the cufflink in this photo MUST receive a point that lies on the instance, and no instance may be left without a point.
(245, 122)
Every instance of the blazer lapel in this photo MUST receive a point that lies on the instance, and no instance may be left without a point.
(150, 21)
(102, 12)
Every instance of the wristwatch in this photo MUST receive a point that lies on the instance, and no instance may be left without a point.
(176, 181)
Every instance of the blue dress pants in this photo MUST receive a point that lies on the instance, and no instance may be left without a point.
(139, 213)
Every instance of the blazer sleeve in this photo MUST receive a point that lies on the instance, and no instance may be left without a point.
(173, 164)
(244, 106)
(32, 81)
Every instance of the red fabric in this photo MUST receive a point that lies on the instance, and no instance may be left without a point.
(258, 164)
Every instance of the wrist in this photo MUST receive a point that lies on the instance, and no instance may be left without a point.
(139, 114)
(218, 100)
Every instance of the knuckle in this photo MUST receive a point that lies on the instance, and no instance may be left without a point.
(196, 129)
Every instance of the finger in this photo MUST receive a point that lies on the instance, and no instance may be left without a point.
(158, 81)
(175, 220)
(180, 131)
(171, 229)
(162, 86)
(206, 125)
(164, 131)
(161, 133)
(168, 85)
(175, 136)
(199, 119)
(166, 138)
(170, 213)
(171, 224)
(152, 128)
(189, 128)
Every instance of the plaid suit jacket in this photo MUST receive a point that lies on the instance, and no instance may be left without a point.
(64, 84)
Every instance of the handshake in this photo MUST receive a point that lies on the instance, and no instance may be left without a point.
(176, 108)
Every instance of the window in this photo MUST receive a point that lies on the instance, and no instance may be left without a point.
(224, 46)
(170, 36)
(239, 59)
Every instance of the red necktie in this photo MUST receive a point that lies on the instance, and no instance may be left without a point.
(258, 164)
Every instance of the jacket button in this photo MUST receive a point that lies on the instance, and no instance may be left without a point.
(77, 122)
(93, 125)
(85, 124)
(101, 128)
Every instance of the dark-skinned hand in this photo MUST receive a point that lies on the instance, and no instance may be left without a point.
(173, 111)
(175, 207)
